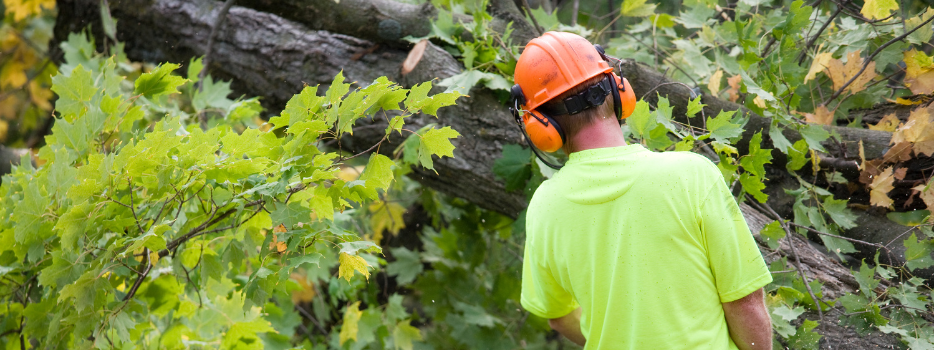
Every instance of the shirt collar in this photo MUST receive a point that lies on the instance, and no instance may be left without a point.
(600, 153)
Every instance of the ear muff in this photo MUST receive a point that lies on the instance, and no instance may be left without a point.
(542, 131)
(627, 98)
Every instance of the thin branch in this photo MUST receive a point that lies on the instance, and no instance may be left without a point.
(528, 12)
(133, 210)
(797, 261)
(873, 55)
(813, 39)
(142, 276)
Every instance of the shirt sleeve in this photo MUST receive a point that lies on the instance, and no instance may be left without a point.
(541, 293)
(735, 260)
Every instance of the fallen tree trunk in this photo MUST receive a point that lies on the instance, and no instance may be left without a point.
(269, 56)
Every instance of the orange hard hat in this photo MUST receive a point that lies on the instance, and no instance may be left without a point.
(554, 63)
(551, 65)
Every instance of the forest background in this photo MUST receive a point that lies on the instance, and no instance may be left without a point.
(203, 174)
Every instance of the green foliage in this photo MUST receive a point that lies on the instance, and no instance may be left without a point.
(141, 229)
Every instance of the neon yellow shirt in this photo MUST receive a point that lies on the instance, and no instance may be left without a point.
(648, 244)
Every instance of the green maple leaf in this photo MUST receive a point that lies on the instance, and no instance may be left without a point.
(440, 100)
(814, 135)
(757, 158)
(28, 214)
(159, 82)
(300, 107)
(641, 121)
(436, 142)
(404, 334)
(694, 105)
(152, 239)
(753, 185)
(799, 155)
(773, 232)
(394, 309)
(636, 8)
(918, 253)
(866, 279)
(84, 290)
(406, 267)
(212, 94)
(66, 267)
(74, 91)
(515, 166)
(245, 333)
(73, 223)
(723, 128)
(290, 214)
(418, 95)
(838, 211)
(378, 172)
(805, 337)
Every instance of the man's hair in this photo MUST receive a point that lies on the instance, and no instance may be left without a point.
(571, 124)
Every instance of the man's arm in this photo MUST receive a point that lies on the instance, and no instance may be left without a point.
(569, 326)
(749, 322)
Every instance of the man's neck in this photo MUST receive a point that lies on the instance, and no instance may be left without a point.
(602, 133)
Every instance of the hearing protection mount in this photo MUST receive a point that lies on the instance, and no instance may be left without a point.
(589, 98)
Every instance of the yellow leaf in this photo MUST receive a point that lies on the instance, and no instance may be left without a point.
(924, 33)
(636, 8)
(4, 127)
(888, 123)
(821, 116)
(40, 96)
(734, 87)
(759, 102)
(916, 63)
(926, 192)
(386, 216)
(306, 291)
(350, 173)
(9, 107)
(404, 334)
(878, 9)
(918, 130)
(908, 102)
(12, 75)
(349, 264)
(25, 8)
(818, 64)
(880, 187)
(714, 84)
(351, 318)
(840, 73)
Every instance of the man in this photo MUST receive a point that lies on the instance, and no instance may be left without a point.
(627, 248)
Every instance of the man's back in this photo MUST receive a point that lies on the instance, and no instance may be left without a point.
(649, 244)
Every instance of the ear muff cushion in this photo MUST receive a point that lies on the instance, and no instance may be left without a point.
(548, 138)
(627, 99)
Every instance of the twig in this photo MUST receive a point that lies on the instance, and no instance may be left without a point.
(130, 188)
(219, 21)
(797, 261)
(305, 313)
(873, 55)
(528, 11)
(813, 39)
(142, 276)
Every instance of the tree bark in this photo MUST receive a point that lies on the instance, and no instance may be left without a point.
(273, 57)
